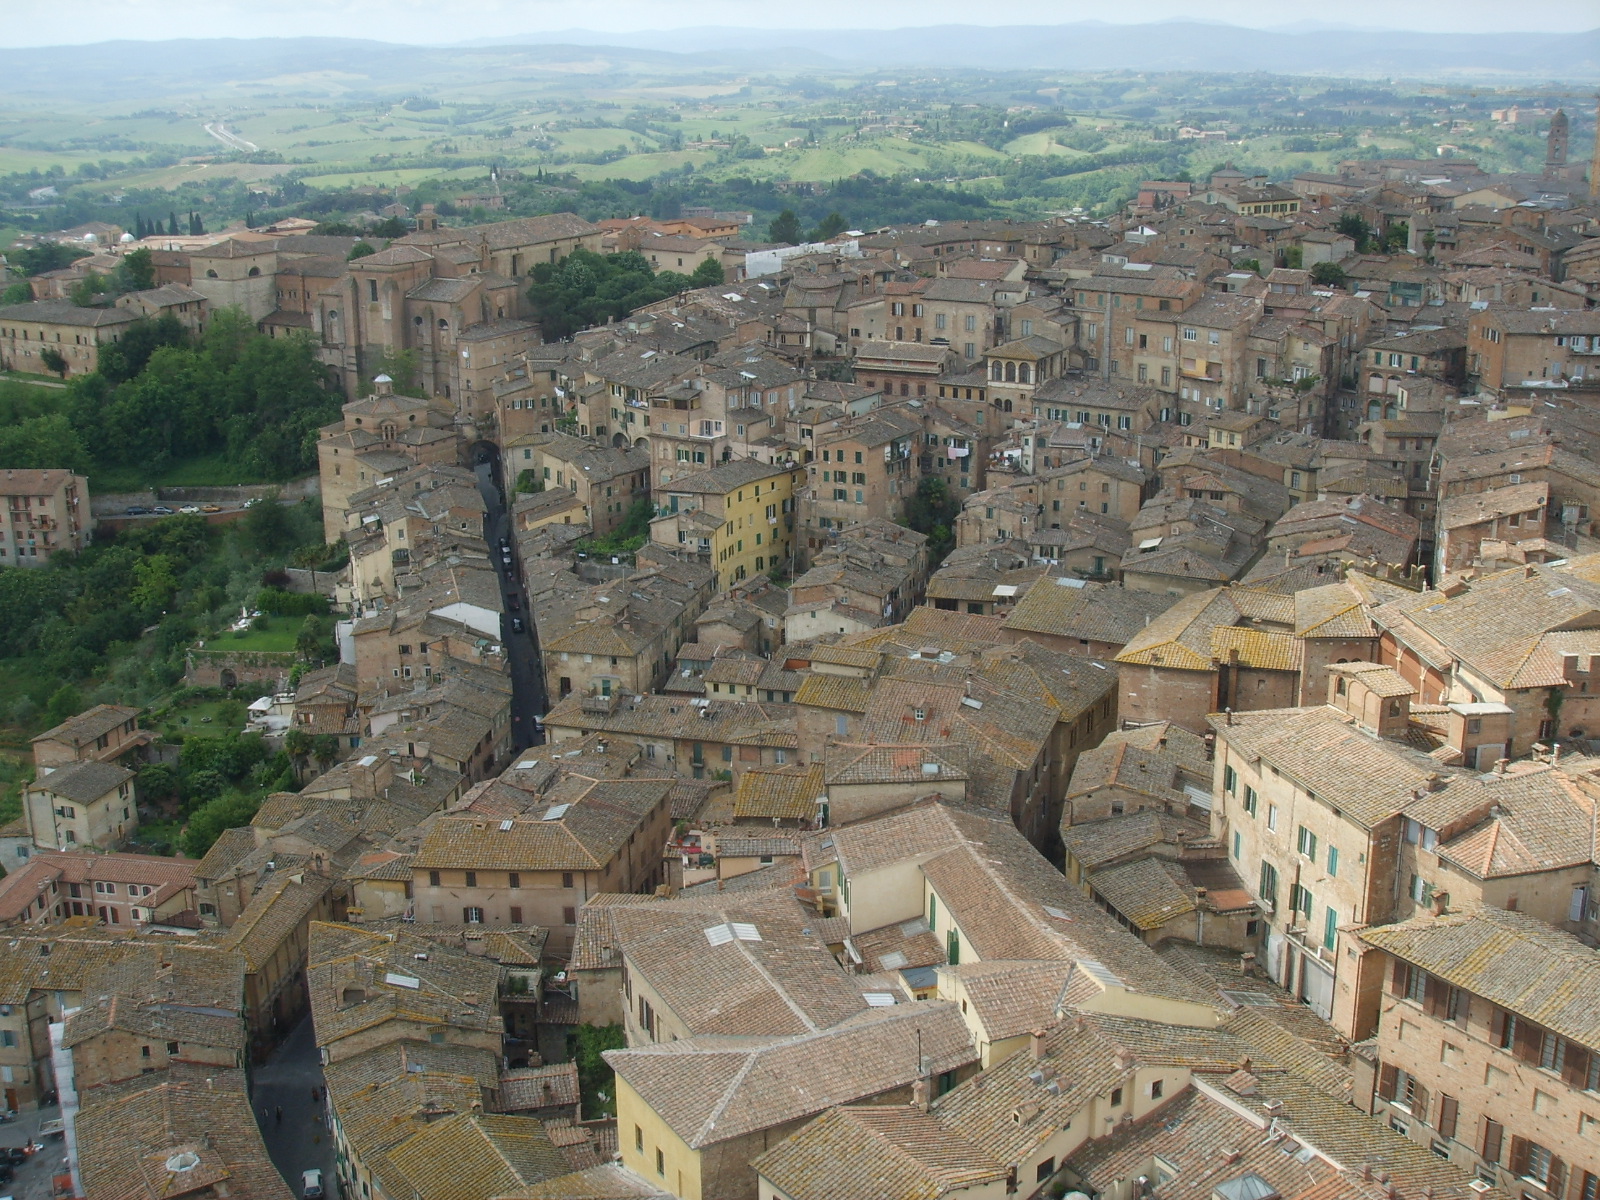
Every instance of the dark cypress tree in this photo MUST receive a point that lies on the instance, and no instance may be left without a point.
(172, 224)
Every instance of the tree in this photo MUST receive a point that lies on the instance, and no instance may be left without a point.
(1328, 274)
(325, 748)
(46, 256)
(157, 783)
(66, 701)
(360, 250)
(596, 1080)
(401, 368)
(16, 293)
(308, 644)
(297, 745)
(87, 291)
(157, 584)
(933, 511)
(43, 443)
(707, 274)
(831, 225)
(785, 228)
(136, 272)
(267, 528)
(390, 228)
(212, 819)
(172, 224)
(50, 358)
(1354, 226)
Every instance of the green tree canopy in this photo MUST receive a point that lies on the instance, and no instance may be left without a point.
(785, 228)
(1328, 274)
(587, 289)
(831, 225)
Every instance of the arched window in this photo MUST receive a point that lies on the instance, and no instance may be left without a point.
(211, 274)
(995, 372)
(444, 324)
(417, 321)
(1008, 404)
(1339, 687)
(253, 272)
(1023, 373)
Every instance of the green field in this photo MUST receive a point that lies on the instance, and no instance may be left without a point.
(278, 637)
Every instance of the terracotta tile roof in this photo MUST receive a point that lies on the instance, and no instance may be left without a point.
(708, 1092)
(1257, 649)
(869, 1153)
(783, 981)
(360, 978)
(549, 1086)
(128, 1134)
(785, 793)
(472, 1155)
(1095, 843)
(609, 1181)
(84, 782)
(1094, 612)
(274, 912)
(1510, 958)
(587, 836)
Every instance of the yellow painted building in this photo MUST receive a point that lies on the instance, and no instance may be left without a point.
(738, 517)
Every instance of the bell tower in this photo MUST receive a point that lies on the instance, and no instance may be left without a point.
(1555, 146)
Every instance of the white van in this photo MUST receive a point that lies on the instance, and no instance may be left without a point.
(311, 1184)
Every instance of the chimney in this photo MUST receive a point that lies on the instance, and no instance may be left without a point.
(1247, 964)
(919, 1095)
(1036, 1043)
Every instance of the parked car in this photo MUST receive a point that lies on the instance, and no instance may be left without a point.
(252, 502)
(516, 625)
(211, 508)
(190, 508)
(161, 510)
(137, 510)
(311, 1184)
(14, 1155)
(514, 602)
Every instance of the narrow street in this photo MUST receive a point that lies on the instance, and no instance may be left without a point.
(294, 1129)
(522, 649)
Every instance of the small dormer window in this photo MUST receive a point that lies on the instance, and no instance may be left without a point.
(919, 714)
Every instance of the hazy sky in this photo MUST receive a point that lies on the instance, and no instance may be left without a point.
(52, 22)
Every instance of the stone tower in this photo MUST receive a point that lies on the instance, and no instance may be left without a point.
(1555, 147)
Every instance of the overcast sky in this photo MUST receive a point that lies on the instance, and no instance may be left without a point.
(54, 22)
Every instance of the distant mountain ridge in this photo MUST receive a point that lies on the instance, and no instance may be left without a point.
(310, 65)
(1188, 45)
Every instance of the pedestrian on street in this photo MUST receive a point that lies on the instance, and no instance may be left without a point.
(280, 1114)
(264, 1114)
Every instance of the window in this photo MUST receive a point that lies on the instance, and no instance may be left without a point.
(1300, 900)
(1272, 817)
(1552, 1051)
(1421, 890)
(638, 1139)
(1230, 779)
(1155, 1089)
(514, 880)
(1307, 842)
(1251, 800)
(661, 1163)
(1416, 983)
(569, 915)
(1333, 862)
(516, 914)
(433, 879)
(1045, 1169)
(472, 879)
(1330, 929)
(472, 915)
(1116, 1097)
(1269, 885)
(566, 879)
(1236, 843)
